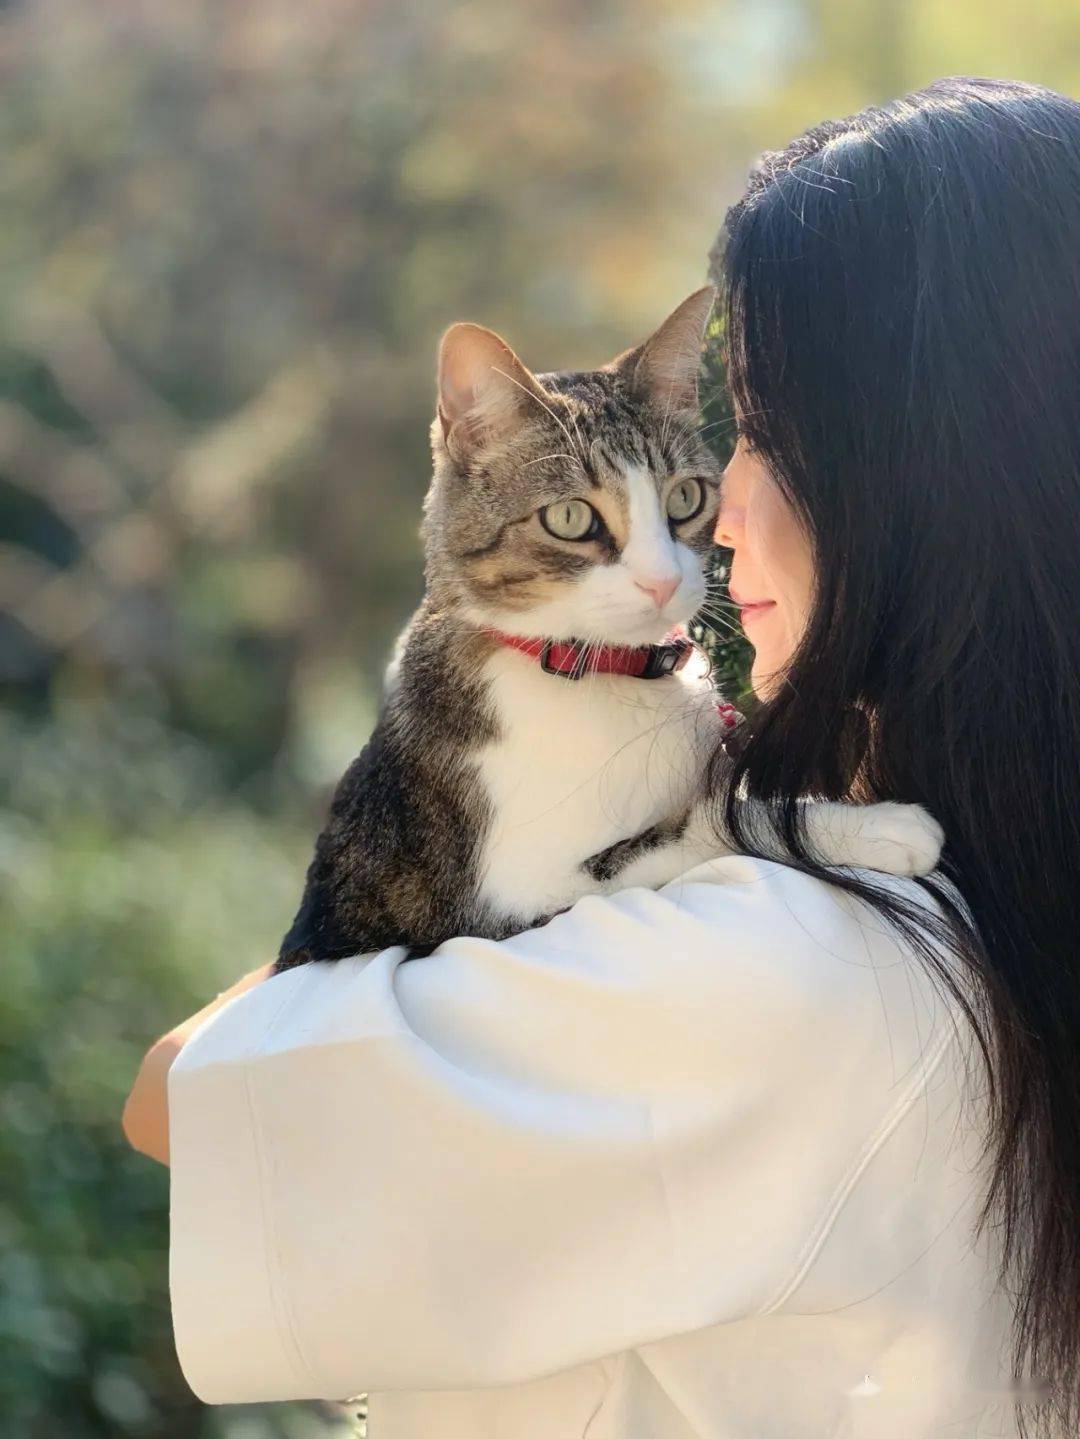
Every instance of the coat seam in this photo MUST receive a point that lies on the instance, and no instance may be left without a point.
(834, 1206)
(283, 1317)
(609, 1384)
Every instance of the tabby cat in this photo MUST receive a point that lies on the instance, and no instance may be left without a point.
(544, 733)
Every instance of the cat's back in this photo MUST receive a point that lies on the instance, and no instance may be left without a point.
(396, 860)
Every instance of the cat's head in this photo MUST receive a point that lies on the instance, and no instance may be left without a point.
(573, 504)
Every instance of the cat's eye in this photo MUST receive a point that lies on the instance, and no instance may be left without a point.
(571, 520)
(685, 500)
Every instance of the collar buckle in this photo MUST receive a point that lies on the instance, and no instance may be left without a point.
(665, 659)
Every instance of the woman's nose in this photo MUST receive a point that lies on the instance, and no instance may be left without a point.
(729, 525)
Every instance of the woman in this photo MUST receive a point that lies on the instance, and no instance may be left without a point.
(777, 1150)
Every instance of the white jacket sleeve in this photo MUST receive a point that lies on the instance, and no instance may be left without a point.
(509, 1158)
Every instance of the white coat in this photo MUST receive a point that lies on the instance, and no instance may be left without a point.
(698, 1163)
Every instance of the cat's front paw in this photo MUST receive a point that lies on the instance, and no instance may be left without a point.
(897, 838)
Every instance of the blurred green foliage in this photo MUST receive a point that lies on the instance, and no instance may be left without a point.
(231, 235)
(126, 880)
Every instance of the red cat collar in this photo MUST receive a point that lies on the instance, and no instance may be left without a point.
(572, 659)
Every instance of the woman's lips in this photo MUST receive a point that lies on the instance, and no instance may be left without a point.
(755, 608)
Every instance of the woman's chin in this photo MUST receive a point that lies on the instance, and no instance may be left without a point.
(766, 677)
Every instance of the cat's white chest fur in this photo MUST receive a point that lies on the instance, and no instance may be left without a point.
(580, 765)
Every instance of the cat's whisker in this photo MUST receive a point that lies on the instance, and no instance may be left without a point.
(726, 422)
(719, 602)
(716, 586)
(721, 608)
(723, 635)
(716, 590)
(721, 386)
(719, 624)
(536, 398)
(592, 694)
(556, 455)
(703, 430)
(719, 618)
(577, 433)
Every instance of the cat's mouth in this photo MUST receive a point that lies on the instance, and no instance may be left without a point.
(653, 630)
(648, 626)
(597, 619)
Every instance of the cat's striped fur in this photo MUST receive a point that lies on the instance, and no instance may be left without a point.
(492, 794)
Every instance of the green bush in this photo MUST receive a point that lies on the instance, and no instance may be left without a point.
(129, 896)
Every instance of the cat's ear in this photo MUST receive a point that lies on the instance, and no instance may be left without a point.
(664, 368)
(484, 389)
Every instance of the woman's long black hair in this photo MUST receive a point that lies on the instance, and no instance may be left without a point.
(901, 320)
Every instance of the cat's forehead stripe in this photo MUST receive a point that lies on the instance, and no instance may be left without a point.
(617, 463)
(605, 412)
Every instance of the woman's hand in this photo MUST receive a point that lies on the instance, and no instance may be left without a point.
(146, 1112)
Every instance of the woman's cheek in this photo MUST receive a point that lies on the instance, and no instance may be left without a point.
(783, 552)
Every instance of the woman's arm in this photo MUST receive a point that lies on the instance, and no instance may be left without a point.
(146, 1111)
(513, 1157)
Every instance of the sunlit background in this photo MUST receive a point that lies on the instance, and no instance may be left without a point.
(232, 234)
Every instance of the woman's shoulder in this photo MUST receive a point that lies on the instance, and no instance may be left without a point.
(739, 962)
(738, 919)
(829, 956)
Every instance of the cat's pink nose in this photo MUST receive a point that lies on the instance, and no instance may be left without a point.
(661, 588)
